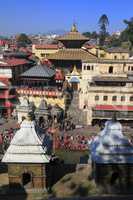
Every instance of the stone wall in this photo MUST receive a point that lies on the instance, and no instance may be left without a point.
(117, 178)
(37, 172)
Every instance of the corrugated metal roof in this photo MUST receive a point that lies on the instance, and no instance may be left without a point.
(39, 71)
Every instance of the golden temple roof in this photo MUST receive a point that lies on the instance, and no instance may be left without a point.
(71, 54)
(73, 35)
(74, 71)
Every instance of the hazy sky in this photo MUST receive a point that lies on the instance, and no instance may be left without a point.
(34, 16)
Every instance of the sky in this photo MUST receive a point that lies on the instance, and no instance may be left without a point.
(42, 16)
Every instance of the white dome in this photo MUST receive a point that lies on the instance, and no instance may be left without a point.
(111, 145)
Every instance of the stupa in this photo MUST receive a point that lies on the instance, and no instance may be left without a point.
(112, 157)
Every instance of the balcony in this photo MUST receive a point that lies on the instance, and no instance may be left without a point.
(49, 92)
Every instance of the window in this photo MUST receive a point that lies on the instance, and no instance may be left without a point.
(122, 98)
(128, 68)
(123, 57)
(114, 98)
(92, 67)
(96, 98)
(115, 57)
(131, 98)
(110, 70)
(84, 67)
(131, 68)
(88, 67)
(105, 98)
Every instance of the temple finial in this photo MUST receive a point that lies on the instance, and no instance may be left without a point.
(74, 28)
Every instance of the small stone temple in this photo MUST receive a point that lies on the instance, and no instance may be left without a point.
(112, 159)
(26, 157)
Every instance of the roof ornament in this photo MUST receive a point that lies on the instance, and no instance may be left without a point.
(74, 28)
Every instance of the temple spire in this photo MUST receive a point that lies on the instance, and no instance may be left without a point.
(74, 28)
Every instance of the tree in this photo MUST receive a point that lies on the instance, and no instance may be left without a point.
(103, 23)
(87, 34)
(23, 40)
(128, 32)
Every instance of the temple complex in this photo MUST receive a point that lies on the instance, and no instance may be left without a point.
(42, 81)
(72, 53)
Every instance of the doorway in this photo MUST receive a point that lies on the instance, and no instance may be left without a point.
(26, 178)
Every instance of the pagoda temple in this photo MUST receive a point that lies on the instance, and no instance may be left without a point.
(72, 53)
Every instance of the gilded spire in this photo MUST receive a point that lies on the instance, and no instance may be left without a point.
(74, 28)
(75, 71)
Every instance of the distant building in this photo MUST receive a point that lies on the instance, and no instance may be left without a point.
(7, 98)
(71, 54)
(42, 81)
(42, 51)
(12, 64)
(106, 86)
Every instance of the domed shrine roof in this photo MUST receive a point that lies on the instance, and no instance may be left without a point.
(43, 108)
(111, 146)
(26, 146)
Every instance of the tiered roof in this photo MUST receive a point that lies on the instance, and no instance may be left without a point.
(72, 54)
(26, 146)
(43, 71)
(73, 35)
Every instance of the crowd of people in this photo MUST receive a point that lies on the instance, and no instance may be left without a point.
(73, 142)
(5, 139)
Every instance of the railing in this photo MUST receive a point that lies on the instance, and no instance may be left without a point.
(39, 92)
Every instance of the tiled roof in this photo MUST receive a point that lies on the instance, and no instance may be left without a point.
(108, 79)
(71, 54)
(73, 36)
(14, 62)
(117, 50)
(39, 71)
(47, 46)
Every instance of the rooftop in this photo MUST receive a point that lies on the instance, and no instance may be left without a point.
(117, 50)
(111, 146)
(47, 46)
(14, 62)
(42, 71)
(72, 54)
(73, 35)
(26, 146)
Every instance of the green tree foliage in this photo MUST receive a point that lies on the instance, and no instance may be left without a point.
(103, 23)
(91, 35)
(128, 32)
(23, 40)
